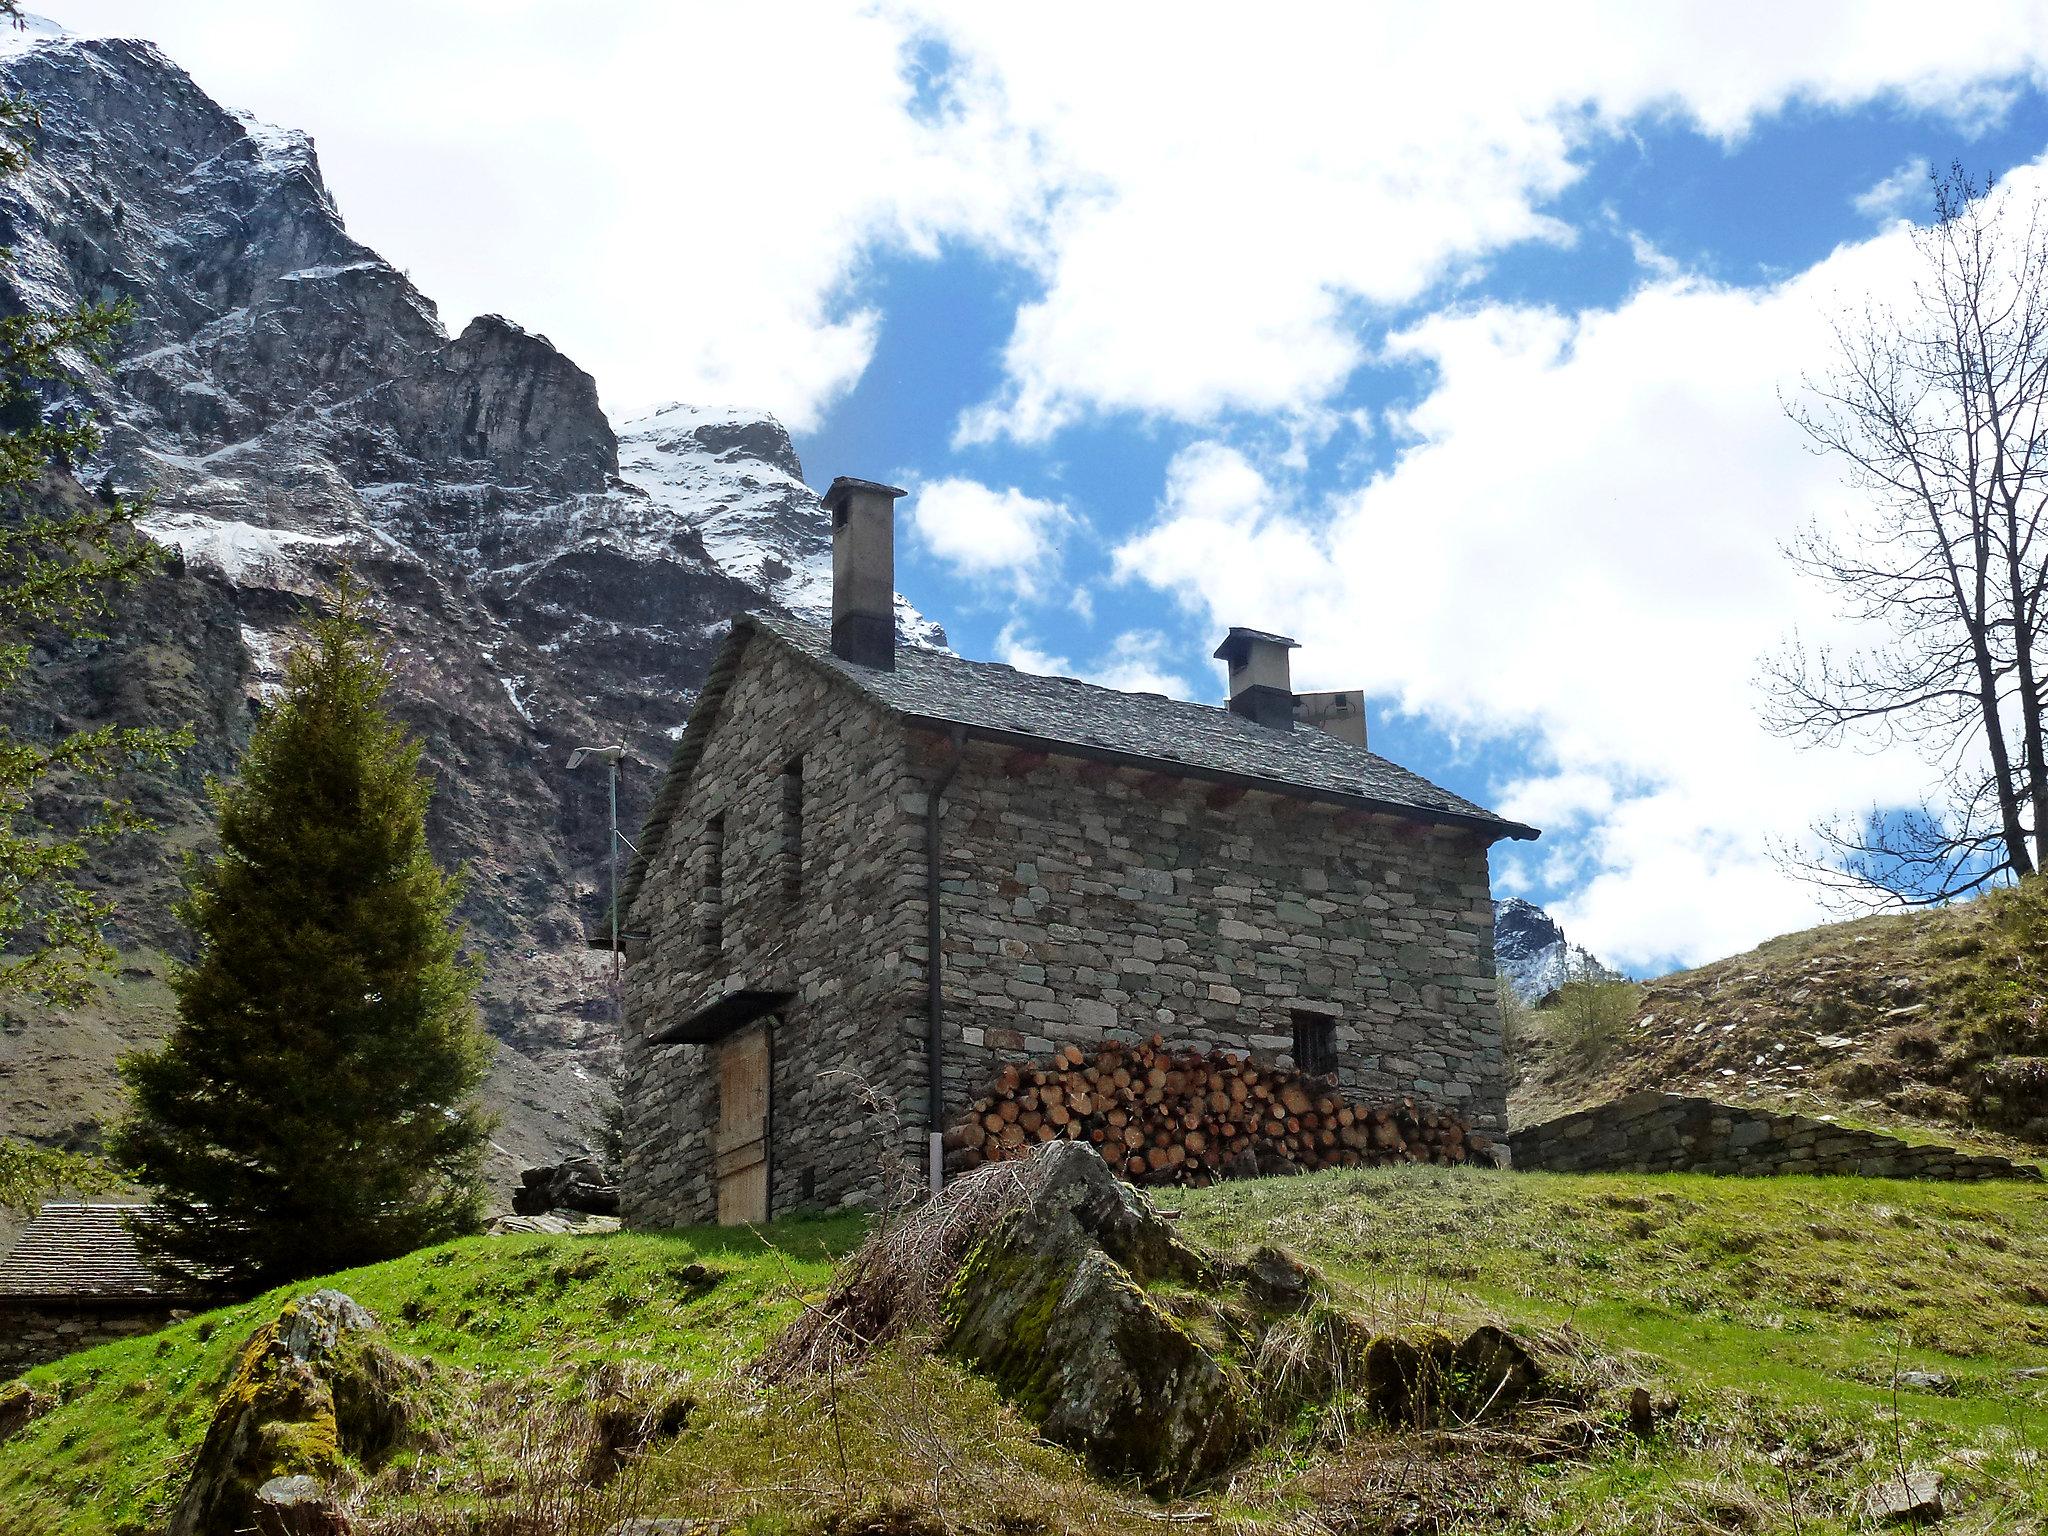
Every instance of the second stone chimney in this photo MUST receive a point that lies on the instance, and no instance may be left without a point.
(863, 571)
(1261, 688)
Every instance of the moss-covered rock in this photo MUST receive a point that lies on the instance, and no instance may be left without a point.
(21, 1405)
(277, 1415)
(1051, 1305)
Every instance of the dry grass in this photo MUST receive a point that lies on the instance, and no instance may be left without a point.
(892, 1284)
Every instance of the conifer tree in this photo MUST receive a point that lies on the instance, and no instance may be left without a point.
(315, 1105)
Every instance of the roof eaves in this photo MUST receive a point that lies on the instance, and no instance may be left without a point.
(1499, 827)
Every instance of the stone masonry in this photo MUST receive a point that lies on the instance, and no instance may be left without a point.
(1652, 1132)
(1081, 901)
(1082, 905)
(34, 1333)
(830, 920)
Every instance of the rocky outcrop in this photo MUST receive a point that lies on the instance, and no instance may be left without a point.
(291, 402)
(1157, 1362)
(1052, 1306)
(307, 1388)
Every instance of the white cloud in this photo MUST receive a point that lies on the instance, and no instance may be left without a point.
(1229, 196)
(1898, 196)
(1136, 662)
(688, 199)
(1579, 556)
(990, 535)
(684, 199)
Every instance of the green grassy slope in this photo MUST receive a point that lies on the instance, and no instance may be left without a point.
(1931, 1023)
(1779, 1314)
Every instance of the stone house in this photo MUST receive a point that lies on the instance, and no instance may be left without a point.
(1085, 863)
(73, 1279)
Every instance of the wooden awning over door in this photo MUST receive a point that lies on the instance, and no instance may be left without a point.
(723, 1015)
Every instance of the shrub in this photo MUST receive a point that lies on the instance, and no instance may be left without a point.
(1587, 1017)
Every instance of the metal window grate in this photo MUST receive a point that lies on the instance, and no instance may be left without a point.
(1315, 1044)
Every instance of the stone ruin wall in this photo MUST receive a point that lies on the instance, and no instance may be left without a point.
(34, 1333)
(1652, 1132)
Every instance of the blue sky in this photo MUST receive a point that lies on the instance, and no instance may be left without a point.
(1451, 343)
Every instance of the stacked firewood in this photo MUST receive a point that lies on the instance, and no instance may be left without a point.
(1189, 1117)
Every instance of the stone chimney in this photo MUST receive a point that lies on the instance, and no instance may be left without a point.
(1260, 686)
(1341, 714)
(863, 571)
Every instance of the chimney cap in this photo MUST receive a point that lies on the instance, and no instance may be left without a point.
(1240, 640)
(845, 486)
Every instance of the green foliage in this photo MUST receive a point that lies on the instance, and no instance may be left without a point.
(30, 1174)
(63, 558)
(1587, 1016)
(315, 1106)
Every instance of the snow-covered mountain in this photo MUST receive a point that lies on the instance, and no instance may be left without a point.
(1532, 955)
(291, 404)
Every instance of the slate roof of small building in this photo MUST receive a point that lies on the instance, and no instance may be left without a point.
(990, 699)
(74, 1251)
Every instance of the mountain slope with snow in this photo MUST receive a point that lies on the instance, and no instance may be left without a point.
(1532, 955)
(292, 405)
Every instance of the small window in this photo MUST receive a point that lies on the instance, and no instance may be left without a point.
(712, 918)
(1341, 705)
(1315, 1044)
(793, 828)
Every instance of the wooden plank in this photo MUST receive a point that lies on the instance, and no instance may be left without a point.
(740, 1143)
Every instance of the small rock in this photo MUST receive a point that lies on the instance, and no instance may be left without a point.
(553, 1224)
(1276, 1278)
(21, 1404)
(298, 1506)
(1932, 1382)
(1916, 1496)
(1642, 1423)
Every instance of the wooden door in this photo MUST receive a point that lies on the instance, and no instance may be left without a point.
(739, 1150)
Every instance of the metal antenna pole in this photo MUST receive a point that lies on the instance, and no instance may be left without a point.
(618, 985)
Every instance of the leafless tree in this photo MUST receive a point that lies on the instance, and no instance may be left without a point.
(1938, 408)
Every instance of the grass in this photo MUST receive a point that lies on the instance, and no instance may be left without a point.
(1770, 1318)
(109, 1457)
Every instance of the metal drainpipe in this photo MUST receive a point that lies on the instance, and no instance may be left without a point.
(935, 1002)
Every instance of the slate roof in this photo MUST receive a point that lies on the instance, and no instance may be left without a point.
(73, 1251)
(994, 701)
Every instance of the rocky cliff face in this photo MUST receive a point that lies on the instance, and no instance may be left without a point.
(290, 403)
(1532, 955)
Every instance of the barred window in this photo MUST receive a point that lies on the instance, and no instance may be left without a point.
(1315, 1043)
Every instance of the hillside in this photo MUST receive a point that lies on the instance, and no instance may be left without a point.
(1788, 1353)
(1927, 1021)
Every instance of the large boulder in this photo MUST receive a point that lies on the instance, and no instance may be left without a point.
(577, 1184)
(1052, 1305)
(306, 1388)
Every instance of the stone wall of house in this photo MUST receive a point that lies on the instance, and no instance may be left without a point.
(824, 910)
(1083, 903)
(34, 1333)
(1652, 1132)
